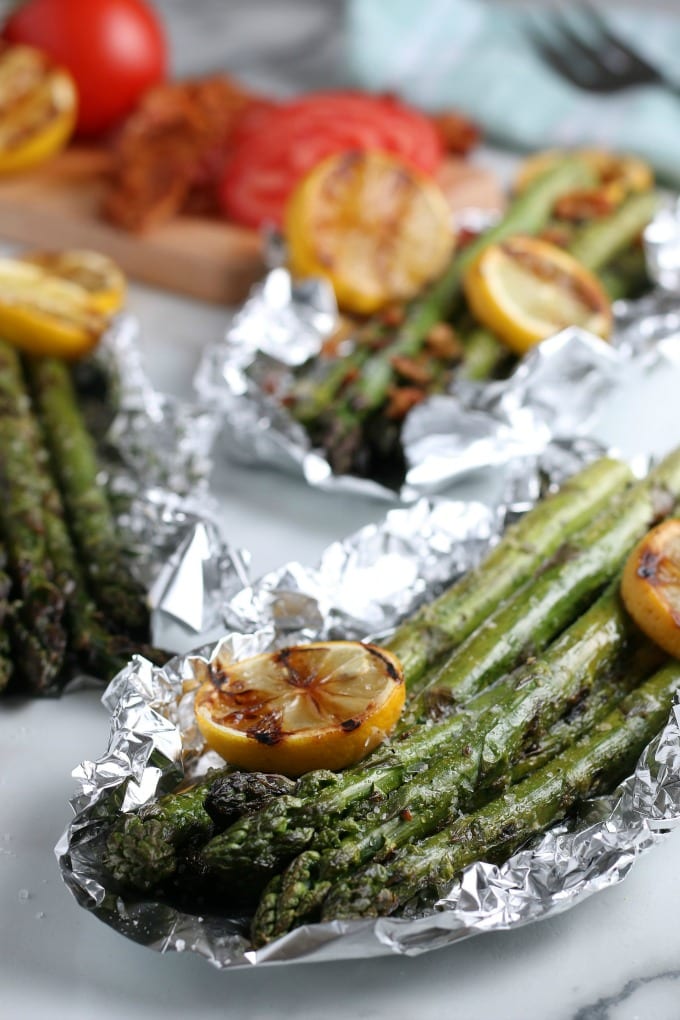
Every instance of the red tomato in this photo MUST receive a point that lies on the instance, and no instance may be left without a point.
(115, 50)
(281, 145)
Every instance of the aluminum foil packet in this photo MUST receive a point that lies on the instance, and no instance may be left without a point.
(549, 401)
(154, 743)
(159, 466)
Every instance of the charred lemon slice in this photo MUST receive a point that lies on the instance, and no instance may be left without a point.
(525, 289)
(38, 104)
(95, 273)
(376, 228)
(321, 705)
(650, 586)
(44, 314)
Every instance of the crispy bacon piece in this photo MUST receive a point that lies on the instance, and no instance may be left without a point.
(170, 153)
(402, 399)
(458, 133)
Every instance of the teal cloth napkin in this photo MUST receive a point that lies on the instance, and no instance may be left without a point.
(476, 57)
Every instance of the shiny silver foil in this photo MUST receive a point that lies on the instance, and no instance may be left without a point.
(548, 402)
(369, 580)
(161, 466)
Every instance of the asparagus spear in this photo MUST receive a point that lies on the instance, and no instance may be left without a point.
(38, 635)
(141, 848)
(533, 699)
(598, 243)
(98, 651)
(442, 624)
(75, 465)
(592, 766)
(626, 276)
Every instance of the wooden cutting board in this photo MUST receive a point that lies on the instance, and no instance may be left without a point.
(56, 206)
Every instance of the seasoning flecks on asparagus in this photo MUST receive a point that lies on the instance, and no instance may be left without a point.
(75, 465)
(37, 626)
(441, 625)
(426, 869)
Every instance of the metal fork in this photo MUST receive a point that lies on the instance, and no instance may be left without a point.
(600, 61)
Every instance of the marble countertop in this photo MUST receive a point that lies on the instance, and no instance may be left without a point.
(615, 957)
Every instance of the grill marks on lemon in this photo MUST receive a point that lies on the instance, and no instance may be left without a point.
(58, 304)
(526, 289)
(321, 705)
(375, 227)
(38, 105)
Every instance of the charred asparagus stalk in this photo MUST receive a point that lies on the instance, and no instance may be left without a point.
(75, 465)
(441, 625)
(426, 869)
(527, 703)
(38, 633)
(142, 849)
(600, 242)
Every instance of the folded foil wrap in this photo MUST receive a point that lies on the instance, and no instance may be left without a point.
(551, 399)
(159, 467)
(376, 576)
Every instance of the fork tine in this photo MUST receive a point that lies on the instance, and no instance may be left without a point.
(565, 54)
(636, 61)
(551, 53)
(584, 51)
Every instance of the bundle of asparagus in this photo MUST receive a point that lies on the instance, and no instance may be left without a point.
(353, 406)
(530, 689)
(67, 597)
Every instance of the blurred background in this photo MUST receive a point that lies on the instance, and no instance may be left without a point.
(290, 45)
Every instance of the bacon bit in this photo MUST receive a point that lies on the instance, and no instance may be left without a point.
(346, 328)
(409, 368)
(586, 204)
(401, 400)
(393, 315)
(459, 134)
(170, 152)
(466, 236)
(406, 815)
(351, 375)
(442, 341)
(559, 234)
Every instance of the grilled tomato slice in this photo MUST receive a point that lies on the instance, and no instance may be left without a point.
(525, 289)
(650, 585)
(38, 105)
(320, 705)
(376, 228)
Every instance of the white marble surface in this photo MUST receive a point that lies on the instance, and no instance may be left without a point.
(616, 957)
